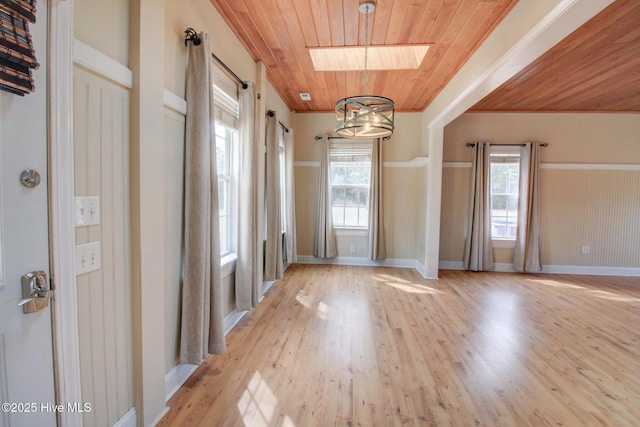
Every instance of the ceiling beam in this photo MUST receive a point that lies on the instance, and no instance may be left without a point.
(530, 29)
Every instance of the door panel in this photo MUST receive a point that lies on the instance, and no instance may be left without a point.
(26, 357)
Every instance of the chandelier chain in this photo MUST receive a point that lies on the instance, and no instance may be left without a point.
(365, 76)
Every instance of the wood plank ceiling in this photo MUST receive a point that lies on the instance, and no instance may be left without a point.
(596, 68)
(279, 33)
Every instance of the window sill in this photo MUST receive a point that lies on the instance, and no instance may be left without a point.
(503, 243)
(228, 264)
(351, 232)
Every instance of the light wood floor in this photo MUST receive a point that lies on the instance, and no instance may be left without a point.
(335, 345)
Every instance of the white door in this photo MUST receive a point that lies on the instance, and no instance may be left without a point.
(26, 356)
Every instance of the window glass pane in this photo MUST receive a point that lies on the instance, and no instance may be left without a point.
(222, 196)
(351, 216)
(363, 196)
(224, 234)
(350, 174)
(504, 187)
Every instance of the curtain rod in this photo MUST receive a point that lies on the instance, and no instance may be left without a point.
(272, 113)
(190, 35)
(319, 137)
(473, 144)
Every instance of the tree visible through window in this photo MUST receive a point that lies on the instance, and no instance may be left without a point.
(350, 175)
(504, 180)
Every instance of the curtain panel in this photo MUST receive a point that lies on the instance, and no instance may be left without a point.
(478, 255)
(377, 248)
(290, 197)
(526, 257)
(273, 248)
(247, 282)
(202, 313)
(325, 245)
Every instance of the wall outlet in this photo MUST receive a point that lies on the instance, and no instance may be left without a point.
(87, 211)
(352, 249)
(586, 249)
(87, 258)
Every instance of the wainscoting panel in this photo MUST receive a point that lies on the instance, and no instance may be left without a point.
(581, 205)
(174, 123)
(595, 208)
(101, 151)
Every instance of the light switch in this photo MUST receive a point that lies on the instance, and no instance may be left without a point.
(87, 211)
(88, 258)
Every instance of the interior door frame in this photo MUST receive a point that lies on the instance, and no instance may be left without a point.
(66, 344)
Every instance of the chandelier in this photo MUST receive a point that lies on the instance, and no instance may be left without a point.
(365, 116)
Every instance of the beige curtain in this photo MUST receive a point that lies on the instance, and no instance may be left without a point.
(478, 255)
(290, 195)
(202, 314)
(247, 284)
(273, 247)
(325, 245)
(377, 250)
(526, 257)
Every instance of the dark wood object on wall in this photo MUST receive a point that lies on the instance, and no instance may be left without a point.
(17, 55)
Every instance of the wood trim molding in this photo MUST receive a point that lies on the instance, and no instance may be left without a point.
(96, 61)
(62, 228)
(128, 420)
(556, 269)
(389, 262)
(563, 166)
(418, 162)
(307, 164)
(591, 166)
(174, 102)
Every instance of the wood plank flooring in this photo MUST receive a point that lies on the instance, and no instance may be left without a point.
(362, 346)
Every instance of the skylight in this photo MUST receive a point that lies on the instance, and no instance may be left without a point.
(351, 58)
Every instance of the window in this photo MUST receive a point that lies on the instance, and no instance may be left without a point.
(504, 184)
(283, 181)
(226, 110)
(350, 174)
(224, 154)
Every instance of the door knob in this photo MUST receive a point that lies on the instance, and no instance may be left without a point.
(35, 292)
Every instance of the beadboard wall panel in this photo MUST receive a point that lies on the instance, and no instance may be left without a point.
(580, 207)
(174, 124)
(101, 152)
(595, 208)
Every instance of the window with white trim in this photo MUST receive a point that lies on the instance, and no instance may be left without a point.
(350, 170)
(504, 188)
(283, 181)
(226, 111)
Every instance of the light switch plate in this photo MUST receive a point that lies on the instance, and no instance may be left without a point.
(88, 258)
(87, 211)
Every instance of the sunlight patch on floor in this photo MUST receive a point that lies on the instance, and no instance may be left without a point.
(303, 299)
(611, 296)
(258, 404)
(323, 310)
(405, 285)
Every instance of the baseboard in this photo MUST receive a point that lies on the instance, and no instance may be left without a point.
(503, 267)
(128, 419)
(450, 265)
(181, 373)
(591, 271)
(422, 269)
(176, 377)
(555, 269)
(160, 416)
(232, 319)
(359, 261)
